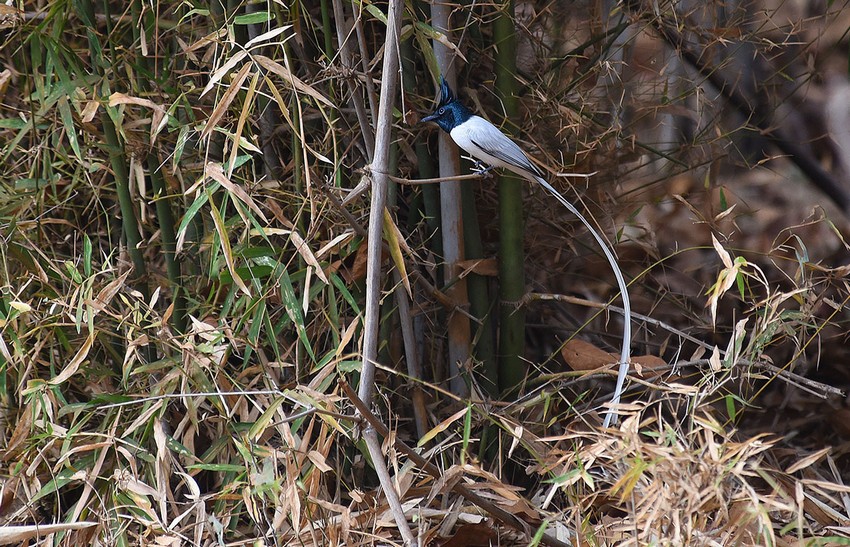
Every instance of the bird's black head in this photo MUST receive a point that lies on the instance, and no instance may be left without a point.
(450, 112)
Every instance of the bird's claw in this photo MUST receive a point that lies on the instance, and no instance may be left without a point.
(482, 169)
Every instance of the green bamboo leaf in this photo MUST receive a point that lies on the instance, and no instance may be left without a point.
(430, 33)
(87, 255)
(265, 419)
(68, 125)
(13, 123)
(292, 304)
(376, 13)
(192, 13)
(427, 49)
(218, 467)
(339, 283)
(254, 18)
(201, 200)
(62, 478)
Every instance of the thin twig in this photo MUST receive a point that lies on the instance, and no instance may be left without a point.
(610, 307)
(411, 356)
(380, 165)
(374, 446)
(437, 180)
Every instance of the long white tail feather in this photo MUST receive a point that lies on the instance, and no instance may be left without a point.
(611, 416)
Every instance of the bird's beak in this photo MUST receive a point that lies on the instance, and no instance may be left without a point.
(429, 118)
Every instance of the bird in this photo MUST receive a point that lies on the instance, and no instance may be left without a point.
(487, 144)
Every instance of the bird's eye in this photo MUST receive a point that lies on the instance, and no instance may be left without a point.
(442, 111)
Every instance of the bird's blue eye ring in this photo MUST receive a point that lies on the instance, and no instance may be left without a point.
(442, 110)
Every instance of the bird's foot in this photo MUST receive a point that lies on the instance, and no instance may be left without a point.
(482, 169)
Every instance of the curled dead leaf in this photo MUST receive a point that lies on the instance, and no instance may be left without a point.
(580, 356)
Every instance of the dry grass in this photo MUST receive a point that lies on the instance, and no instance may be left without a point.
(182, 288)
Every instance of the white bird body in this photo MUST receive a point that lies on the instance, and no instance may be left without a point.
(486, 142)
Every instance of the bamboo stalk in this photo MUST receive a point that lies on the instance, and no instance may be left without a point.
(512, 367)
(451, 214)
(118, 161)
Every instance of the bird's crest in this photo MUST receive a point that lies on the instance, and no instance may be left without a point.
(446, 93)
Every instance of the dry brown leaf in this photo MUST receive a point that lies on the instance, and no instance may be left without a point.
(584, 356)
(23, 423)
(308, 256)
(357, 270)
(238, 141)
(232, 92)
(445, 482)
(522, 507)
(319, 461)
(286, 74)
(75, 363)
(12, 535)
(472, 535)
(224, 69)
(215, 172)
(581, 355)
(158, 119)
(649, 361)
(789, 484)
(442, 426)
(808, 460)
(106, 294)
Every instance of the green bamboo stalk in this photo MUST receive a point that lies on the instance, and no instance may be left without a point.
(168, 241)
(164, 214)
(512, 368)
(430, 195)
(115, 150)
(480, 303)
(327, 30)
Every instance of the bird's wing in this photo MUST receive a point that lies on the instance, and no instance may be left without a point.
(491, 140)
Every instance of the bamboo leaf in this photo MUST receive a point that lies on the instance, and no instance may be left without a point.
(442, 426)
(224, 242)
(395, 240)
(227, 67)
(68, 125)
(287, 75)
(293, 309)
(308, 256)
(215, 172)
(75, 362)
(268, 36)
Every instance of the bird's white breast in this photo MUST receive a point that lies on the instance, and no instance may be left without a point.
(465, 134)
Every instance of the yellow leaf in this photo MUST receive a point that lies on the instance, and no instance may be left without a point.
(22, 307)
(225, 247)
(394, 240)
(442, 426)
